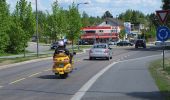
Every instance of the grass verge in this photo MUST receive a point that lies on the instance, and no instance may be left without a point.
(21, 59)
(161, 76)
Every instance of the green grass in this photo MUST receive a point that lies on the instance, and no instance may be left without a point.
(11, 54)
(161, 76)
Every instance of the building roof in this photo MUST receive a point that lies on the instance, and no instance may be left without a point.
(111, 22)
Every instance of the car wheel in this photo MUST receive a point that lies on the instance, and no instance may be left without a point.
(136, 47)
(110, 57)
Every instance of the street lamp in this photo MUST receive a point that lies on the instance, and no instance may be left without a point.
(37, 28)
(78, 11)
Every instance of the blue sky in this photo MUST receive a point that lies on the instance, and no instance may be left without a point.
(98, 7)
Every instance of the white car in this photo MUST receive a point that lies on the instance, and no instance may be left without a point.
(100, 50)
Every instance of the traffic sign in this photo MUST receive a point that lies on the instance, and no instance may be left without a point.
(163, 33)
(162, 15)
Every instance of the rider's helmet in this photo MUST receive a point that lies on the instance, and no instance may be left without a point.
(61, 44)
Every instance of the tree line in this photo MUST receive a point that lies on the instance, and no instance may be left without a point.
(18, 27)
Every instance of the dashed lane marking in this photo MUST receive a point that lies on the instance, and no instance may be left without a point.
(35, 74)
(48, 70)
(1, 86)
(17, 81)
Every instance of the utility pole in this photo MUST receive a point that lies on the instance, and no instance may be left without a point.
(78, 11)
(37, 37)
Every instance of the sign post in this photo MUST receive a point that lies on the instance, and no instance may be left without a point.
(163, 34)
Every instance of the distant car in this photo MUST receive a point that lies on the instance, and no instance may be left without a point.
(81, 42)
(112, 43)
(54, 45)
(140, 43)
(100, 50)
(124, 43)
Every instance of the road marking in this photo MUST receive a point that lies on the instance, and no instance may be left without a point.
(47, 69)
(34, 74)
(81, 92)
(1, 86)
(17, 80)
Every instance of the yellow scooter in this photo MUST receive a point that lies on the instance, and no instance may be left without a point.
(62, 65)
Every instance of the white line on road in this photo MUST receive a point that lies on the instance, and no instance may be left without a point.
(86, 86)
(17, 80)
(35, 74)
(81, 92)
(47, 69)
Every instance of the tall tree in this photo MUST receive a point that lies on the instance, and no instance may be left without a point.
(59, 21)
(4, 25)
(85, 19)
(107, 14)
(23, 27)
(166, 6)
(74, 25)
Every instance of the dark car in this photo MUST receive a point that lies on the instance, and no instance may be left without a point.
(124, 43)
(140, 43)
(54, 45)
(81, 42)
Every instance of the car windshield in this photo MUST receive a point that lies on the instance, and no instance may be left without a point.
(100, 46)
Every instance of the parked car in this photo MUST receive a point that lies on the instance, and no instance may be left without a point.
(81, 42)
(100, 50)
(140, 43)
(112, 43)
(124, 43)
(54, 45)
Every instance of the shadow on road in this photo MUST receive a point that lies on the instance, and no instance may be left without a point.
(48, 77)
(97, 59)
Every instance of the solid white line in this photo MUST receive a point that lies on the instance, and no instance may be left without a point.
(17, 80)
(86, 86)
(35, 74)
(81, 92)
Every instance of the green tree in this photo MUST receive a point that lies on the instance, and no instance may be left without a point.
(107, 14)
(122, 34)
(4, 25)
(74, 21)
(22, 28)
(85, 19)
(166, 6)
(59, 20)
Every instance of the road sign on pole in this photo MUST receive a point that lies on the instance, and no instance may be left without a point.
(162, 15)
(163, 33)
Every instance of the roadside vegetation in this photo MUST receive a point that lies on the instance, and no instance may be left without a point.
(162, 76)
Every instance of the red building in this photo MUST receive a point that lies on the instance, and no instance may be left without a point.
(106, 31)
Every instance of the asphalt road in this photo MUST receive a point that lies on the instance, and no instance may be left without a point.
(126, 78)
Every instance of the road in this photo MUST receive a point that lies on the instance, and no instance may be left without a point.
(125, 77)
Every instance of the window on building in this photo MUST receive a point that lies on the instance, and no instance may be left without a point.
(90, 31)
(100, 30)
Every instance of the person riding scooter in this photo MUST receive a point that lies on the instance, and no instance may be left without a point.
(62, 48)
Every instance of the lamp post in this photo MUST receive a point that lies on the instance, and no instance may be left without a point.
(78, 11)
(37, 29)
